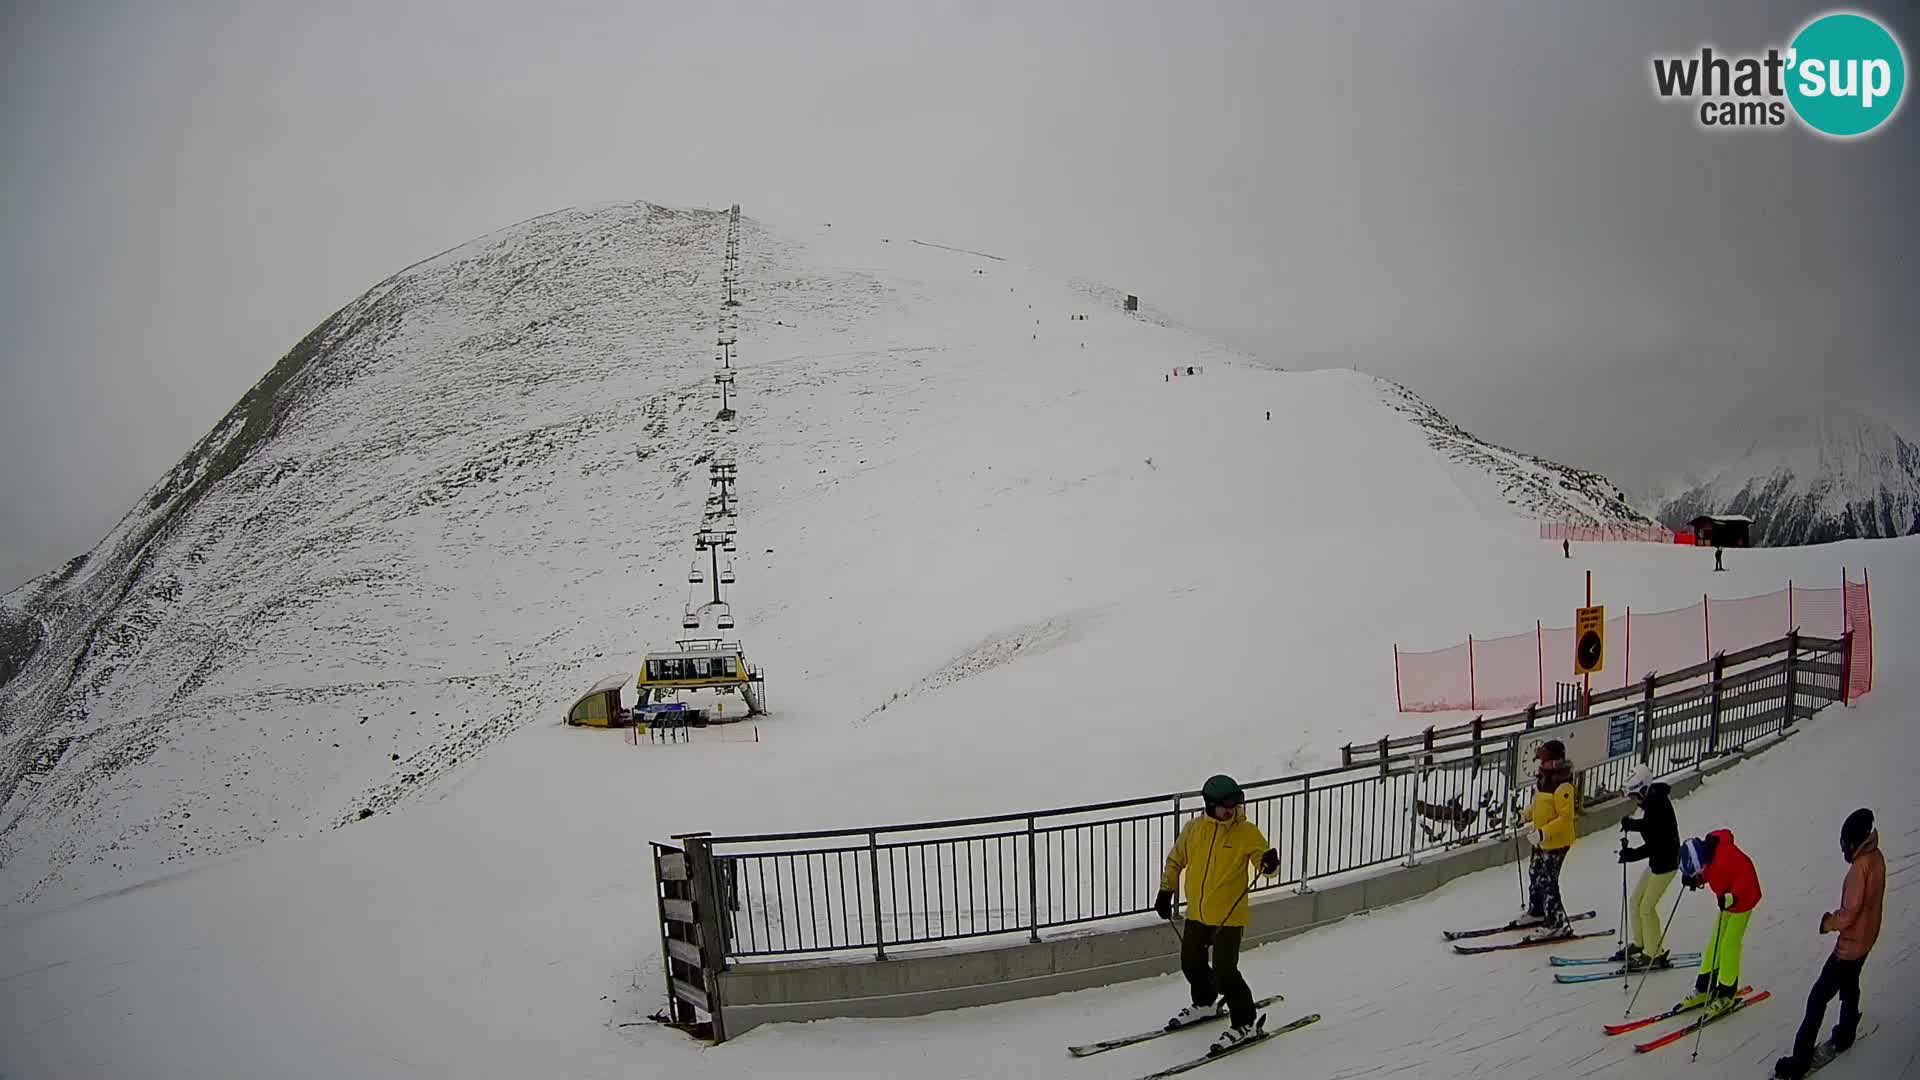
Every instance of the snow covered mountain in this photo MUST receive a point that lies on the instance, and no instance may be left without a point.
(1828, 474)
(994, 556)
(472, 490)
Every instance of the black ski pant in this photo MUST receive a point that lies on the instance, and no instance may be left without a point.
(1840, 977)
(1222, 979)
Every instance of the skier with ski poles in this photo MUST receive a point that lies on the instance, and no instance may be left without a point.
(1215, 851)
(1858, 924)
(1553, 816)
(1660, 850)
(1716, 862)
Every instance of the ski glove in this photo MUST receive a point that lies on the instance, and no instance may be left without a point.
(1270, 862)
(1727, 901)
(1628, 855)
(1163, 905)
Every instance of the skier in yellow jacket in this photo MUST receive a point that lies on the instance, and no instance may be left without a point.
(1216, 850)
(1552, 815)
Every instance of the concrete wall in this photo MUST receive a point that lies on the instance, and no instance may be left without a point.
(912, 984)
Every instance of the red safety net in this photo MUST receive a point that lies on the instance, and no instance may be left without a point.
(1860, 621)
(1515, 671)
(1506, 672)
(1748, 621)
(1434, 681)
(1818, 612)
(1585, 532)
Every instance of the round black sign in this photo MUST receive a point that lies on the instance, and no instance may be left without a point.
(1588, 651)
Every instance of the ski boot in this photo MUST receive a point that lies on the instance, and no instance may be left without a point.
(1625, 955)
(1643, 962)
(1193, 1014)
(1235, 1036)
(1791, 1068)
(1549, 932)
(1702, 990)
(1722, 1000)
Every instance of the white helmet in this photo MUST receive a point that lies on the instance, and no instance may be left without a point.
(1640, 780)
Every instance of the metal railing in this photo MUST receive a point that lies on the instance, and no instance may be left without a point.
(886, 887)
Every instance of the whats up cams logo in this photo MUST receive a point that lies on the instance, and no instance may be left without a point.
(1842, 76)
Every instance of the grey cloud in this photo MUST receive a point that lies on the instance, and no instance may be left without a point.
(1481, 200)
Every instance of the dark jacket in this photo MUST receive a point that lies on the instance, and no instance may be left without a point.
(1657, 827)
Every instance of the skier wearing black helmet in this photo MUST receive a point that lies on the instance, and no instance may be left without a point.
(1215, 851)
(1858, 924)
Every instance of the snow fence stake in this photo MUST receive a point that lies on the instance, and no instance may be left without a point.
(1033, 888)
(1306, 817)
(873, 863)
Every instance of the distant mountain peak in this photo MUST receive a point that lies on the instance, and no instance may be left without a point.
(1827, 472)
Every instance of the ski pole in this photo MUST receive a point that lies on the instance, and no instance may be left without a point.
(1625, 954)
(1713, 985)
(1518, 873)
(1668, 925)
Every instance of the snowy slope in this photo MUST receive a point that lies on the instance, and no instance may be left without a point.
(990, 559)
(1829, 474)
(502, 929)
(471, 492)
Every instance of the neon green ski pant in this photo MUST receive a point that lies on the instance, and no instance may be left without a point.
(1722, 953)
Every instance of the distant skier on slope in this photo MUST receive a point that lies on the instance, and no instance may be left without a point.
(1858, 924)
(1552, 815)
(1215, 851)
(1660, 850)
(1716, 862)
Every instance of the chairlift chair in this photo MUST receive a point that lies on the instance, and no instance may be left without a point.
(696, 576)
(726, 575)
(725, 621)
(690, 621)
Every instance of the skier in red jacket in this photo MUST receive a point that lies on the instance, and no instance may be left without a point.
(1716, 862)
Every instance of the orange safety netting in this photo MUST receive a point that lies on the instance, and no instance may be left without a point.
(1517, 670)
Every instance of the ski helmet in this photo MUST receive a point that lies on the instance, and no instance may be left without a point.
(1693, 859)
(1859, 826)
(1640, 781)
(1220, 790)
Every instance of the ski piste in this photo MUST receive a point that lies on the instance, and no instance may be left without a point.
(1824, 1054)
(1675, 1036)
(1208, 1059)
(1456, 935)
(1584, 961)
(1619, 973)
(1634, 1025)
(1104, 1045)
(1475, 950)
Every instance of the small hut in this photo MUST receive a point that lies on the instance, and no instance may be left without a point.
(1721, 530)
(600, 706)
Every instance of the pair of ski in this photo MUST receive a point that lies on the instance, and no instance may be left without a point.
(1745, 995)
(1474, 950)
(1261, 1035)
(1675, 962)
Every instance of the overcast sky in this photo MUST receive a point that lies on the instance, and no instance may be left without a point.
(1484, 201)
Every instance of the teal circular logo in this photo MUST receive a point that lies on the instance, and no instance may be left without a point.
(1845, 75)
